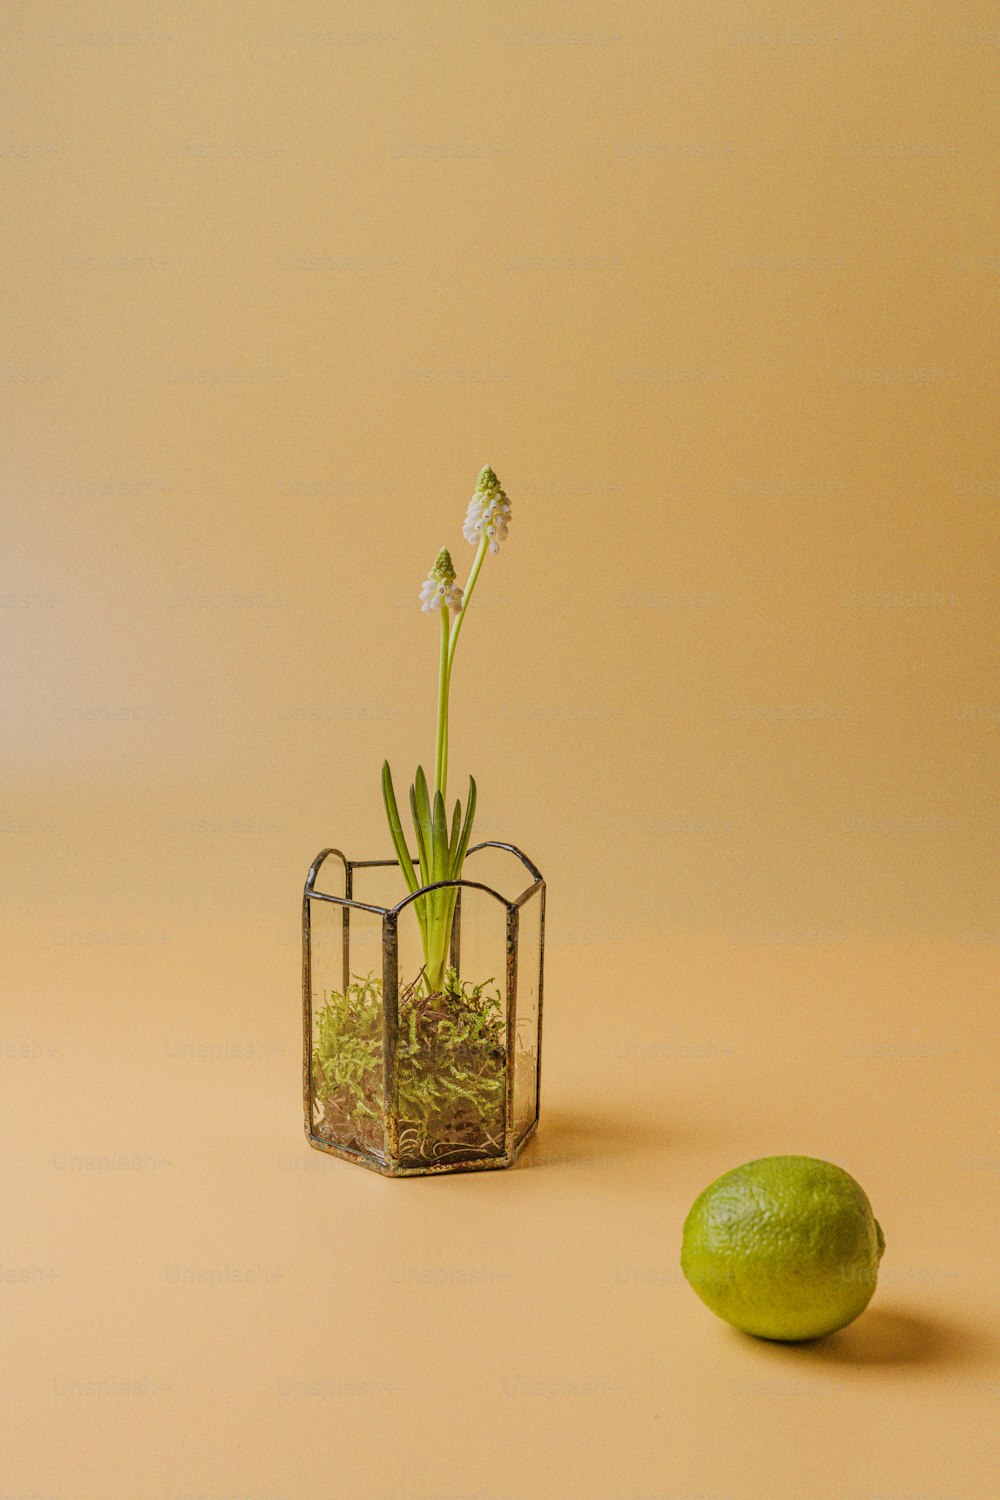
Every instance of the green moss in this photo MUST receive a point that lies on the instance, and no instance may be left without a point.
(450, 1062)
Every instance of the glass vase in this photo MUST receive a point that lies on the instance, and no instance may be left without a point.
(400, 1076)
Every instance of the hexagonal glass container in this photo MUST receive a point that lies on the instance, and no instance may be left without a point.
(400, 1079)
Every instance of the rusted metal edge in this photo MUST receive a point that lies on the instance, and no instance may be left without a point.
(386, 1168)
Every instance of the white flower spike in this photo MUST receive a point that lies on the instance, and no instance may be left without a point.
(488, 513)
(440, 591)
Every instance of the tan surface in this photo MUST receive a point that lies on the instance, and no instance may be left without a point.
(711, 288)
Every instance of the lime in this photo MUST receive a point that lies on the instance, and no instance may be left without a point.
(786, 1248)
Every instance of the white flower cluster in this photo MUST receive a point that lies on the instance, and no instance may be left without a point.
(440, 591)
(489, 512)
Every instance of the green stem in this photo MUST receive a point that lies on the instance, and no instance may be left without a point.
(441, 750)
(441, 904)
(466, 596)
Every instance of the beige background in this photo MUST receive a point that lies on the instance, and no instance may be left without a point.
(713, 287)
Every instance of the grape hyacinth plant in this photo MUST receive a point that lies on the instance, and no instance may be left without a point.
(424, 1070)
(440, 852)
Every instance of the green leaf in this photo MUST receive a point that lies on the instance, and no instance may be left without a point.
(423, 804)
(463, 843)
(396, 830)
(422, 850)
(439, 839)
(456, 823)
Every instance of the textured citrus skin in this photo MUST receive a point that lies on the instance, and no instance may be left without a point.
(785, 1248)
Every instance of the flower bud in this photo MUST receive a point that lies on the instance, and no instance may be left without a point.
(488, 513)
(440, 591)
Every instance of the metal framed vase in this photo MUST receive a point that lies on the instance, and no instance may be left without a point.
(400, 1080)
